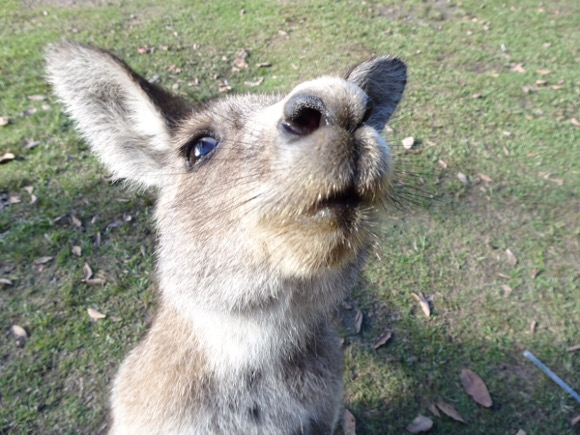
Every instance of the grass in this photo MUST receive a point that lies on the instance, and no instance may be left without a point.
(516, 132)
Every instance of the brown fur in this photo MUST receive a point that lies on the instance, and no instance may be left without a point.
(259, 239)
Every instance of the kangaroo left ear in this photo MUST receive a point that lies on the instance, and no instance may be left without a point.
(383, 79)
(127, 121)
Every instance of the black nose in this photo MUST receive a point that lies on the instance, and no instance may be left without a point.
(304, 114)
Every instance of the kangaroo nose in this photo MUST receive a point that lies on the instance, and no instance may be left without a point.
(304, 114)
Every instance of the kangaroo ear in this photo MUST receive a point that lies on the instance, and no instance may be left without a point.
(126, 120)
(383, 79)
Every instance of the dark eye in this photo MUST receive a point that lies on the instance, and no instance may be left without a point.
(200, 148)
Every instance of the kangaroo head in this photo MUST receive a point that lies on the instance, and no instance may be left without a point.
(286, 186)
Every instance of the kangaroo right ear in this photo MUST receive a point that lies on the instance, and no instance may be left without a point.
(126, 120)
(383, 79)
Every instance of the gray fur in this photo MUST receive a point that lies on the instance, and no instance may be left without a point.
(259, 240)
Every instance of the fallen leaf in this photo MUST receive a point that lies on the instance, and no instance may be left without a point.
(420, 424)
(87, 272)
(408, 142)
(575, 420)
(5, 281)
(511, 257)
(423, 302)
(506, 288)
(533, 326)
(575, 122)
(19, 331)
(37, 97)
(433, 409)
(477, 95)
(77, 250)
(42, 260)
(348, 423)
(98, 239)
(443, 164)
(504, 276)
(463, 178)
(574, 348)
(75, 221)
(94, 314)
(7, 157)
(358, 319)
(485, 178)
(33, 199)
(264, 65)
(475, 387)
(115, 318)
(518, 68)
(254, 84)
(30, 143)
(95, 281)
(506, 151)
(556, 87)
(240, 63)
(534, 273)
(14, 200)
(224, 88)
(4, 120)
(543, 72)
(450, 411)
(142, 50)
(382, 340)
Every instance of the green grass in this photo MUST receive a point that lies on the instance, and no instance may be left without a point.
(453, 250)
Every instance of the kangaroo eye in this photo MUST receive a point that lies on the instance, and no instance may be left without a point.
(200, 148)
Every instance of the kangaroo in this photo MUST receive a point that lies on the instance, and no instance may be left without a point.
(265, 209)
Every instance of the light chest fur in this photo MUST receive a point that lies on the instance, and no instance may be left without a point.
(265, 209)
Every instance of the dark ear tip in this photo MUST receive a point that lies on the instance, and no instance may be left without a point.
(385, 62)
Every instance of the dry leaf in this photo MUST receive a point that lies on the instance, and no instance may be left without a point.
(485, 178)
(543, 72)
(533, 326)
(14, 200)
(264, 65)
(420, 424)
(33, 199)
(511, 257)
(575, 122)
(443, 164)
(42, 260)
(75, 221)
(423, 302)
(19, 331)
(408, 142)
(475, 387)
(5, 281)
(4, 120)
(224, 88)
(240, 63)
(575, 420)
(518, 68)
(37, 97)
(432, 408)
(534, 273)
(115, 318)
(7, 157)
(77, 251)
(574, 348)
(348, 423)
(477, 95)
(98, 239)
(358, 319)
(87, 272)
(95, 281)
(463, 178)
(254, 84)
(450, 411)
(383, 339)
(506, 288)
(94, 314)
(29, 189)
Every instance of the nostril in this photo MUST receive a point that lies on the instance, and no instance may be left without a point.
(305, 122)
(303, 114)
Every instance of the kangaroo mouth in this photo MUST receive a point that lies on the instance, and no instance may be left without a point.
(343, 203)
